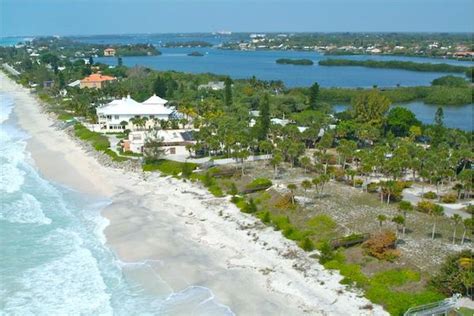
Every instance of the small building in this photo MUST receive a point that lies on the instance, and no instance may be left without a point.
(48, 84)
(96, 81)
(213, 85)
(125, 114)
(109, 52)
(174, 142)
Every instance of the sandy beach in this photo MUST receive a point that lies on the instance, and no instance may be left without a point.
(186, 236)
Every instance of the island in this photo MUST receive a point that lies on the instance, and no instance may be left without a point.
(195, 54)
(298, 62)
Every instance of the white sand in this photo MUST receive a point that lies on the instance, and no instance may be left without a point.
(249, 267)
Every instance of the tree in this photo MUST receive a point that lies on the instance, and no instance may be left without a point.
(455, 274)
(436, 211)
(399, 221)
(313, 96)
(306, 185)
(91, 61)
(305, 163)
(457, 219)
(119, 61)
(400, 120)
(152, 149)
(381, 218)
(263, 124)
(292, 188)
(468, 225)
(228, 92)
(276, 161)
(439, 116)
(370, 107)
(405, 207)
(159, 86)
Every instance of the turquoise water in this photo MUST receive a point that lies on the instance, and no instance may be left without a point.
(53, 257)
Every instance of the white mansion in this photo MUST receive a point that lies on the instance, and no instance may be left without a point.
(111, 116)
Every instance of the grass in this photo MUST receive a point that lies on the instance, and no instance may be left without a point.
(167, 167)
(464, 311)
(381, 288)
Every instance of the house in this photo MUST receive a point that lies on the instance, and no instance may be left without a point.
(120, 114)
(109, 52)
(174, 142)
(96, 81)
(213, 85)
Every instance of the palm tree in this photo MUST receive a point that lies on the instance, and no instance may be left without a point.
(400, 221)
(436, 212)
(405, 207)
(456, 219)
(305, 162)
(306, 184)
(292, 188)
(276, 161)
(381, 218)
(468, 224)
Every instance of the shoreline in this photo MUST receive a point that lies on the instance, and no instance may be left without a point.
(188, 237)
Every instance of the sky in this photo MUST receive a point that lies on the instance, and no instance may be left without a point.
(89, 17)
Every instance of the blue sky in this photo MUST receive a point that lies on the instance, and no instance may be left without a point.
(73, 17)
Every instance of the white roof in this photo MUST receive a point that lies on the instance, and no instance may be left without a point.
(128, 106)
(74, 83)
(154, 99)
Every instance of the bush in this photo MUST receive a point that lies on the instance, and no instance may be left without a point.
(372, 187)
(258, 185)
(469, 209)
(307, 244)
(321, 222)
(216, 190)
(449, 198)
(425, 206)
(430, 195)
(250, 207)
(359, 182)
(456, 274)
(167, 167)
(382, 246)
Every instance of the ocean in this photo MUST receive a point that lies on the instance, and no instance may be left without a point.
(54, 260)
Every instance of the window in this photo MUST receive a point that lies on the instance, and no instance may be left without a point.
(116, 117)
(109, 117)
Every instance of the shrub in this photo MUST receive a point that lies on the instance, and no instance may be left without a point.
(449, 198)
(456, 274)
(257, 185)
(326, 252)
(284, 201)
(250, 207)
(216, 190)
(321, 222)
(430, 195)
(382, 246)
(372, 187)
(469, 209)
(280, 222)
(265, 217)
(187, 169)
(425, 206)
(359, 182)
(307, 244)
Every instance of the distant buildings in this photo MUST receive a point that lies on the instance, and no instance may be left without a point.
(213, 85)
(96, 81)
(127, 113)
(109, 52)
